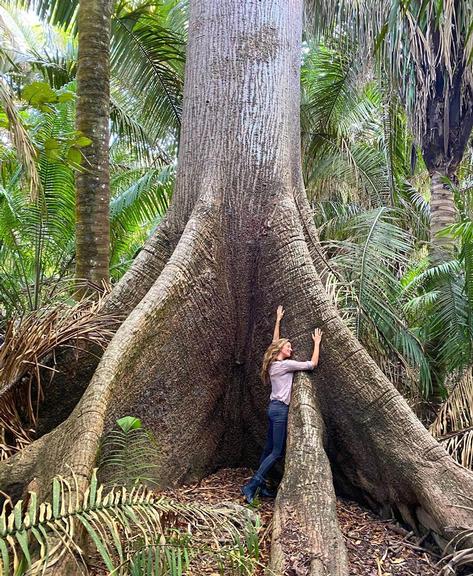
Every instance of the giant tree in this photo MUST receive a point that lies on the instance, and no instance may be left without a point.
(238, 240)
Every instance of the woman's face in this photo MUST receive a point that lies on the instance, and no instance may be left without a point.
(286, 350)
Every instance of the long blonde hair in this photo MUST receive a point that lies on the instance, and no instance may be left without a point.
(270, 356)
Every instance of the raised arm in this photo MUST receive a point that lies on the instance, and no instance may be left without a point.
(316, 337)
(279, 315)
(295, 365)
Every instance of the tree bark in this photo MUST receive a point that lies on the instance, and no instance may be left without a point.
(442, 214)
(186, 358)
(93, 105)
(306, 536)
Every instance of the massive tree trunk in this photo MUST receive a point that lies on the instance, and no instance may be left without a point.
(93, 182)
(240, 241)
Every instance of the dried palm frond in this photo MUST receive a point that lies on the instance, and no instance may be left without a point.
(460, 446)
(457, 411)
(462, 551)
(453, 426)
(135, 532)
(21, 141)
(29, 349)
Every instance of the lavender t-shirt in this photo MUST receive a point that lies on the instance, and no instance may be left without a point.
(281, 374)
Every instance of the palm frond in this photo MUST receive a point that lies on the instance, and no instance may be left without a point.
(30, 345)
(369, 261)
(450, 323)
(36, 47)
(133, 135)
(460, 556)
(129, 455)
(140, 199)
(25, 150)
(418, 43)
(131, 530)
(453, 426)
(342, 129)
(146, 68)
(56, 12)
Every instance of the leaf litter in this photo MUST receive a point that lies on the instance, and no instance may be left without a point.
(375, 547)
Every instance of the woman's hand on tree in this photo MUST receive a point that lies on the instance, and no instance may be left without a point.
(280, 313)
(317, 336)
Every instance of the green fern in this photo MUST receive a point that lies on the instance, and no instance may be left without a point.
(129, 455)
(134, 532)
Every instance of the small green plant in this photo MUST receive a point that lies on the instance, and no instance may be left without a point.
(134, 531)
(129, 455)
(171, 556)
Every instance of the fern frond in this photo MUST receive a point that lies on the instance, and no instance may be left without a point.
(131, 530)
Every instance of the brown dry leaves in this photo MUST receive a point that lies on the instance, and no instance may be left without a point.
(381, 548)
(375, 547)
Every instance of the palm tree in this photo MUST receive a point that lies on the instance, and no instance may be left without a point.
(146, 87)
(92, 119)
(425, 50)
(146, 66)
(37, 236)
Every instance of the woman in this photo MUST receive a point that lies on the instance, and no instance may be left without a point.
(279, 370)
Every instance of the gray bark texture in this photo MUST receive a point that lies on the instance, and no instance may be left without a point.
(199, 306)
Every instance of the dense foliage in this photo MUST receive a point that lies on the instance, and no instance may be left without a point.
(367, 168)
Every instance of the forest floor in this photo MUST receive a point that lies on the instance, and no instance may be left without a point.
(375, 547)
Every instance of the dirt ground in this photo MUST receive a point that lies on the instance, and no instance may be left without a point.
(375, 547)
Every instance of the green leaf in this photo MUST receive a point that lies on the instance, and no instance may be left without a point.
(98, 542)
(22, 538)
(5, 556)
(74, 156)
(82, 141)
(17, 513)
(128, 423)
(39, 93)
(52, 144)
(66, 96)
(53, 154)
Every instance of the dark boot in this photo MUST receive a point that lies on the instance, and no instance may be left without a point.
(267, 492)
(250, 489)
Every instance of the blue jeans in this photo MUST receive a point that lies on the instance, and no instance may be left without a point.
(276, 439)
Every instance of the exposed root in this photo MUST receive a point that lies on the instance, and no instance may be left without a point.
(306, 535)
(376, 443)
(138, 375)
(67, 370)
(185, 360)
